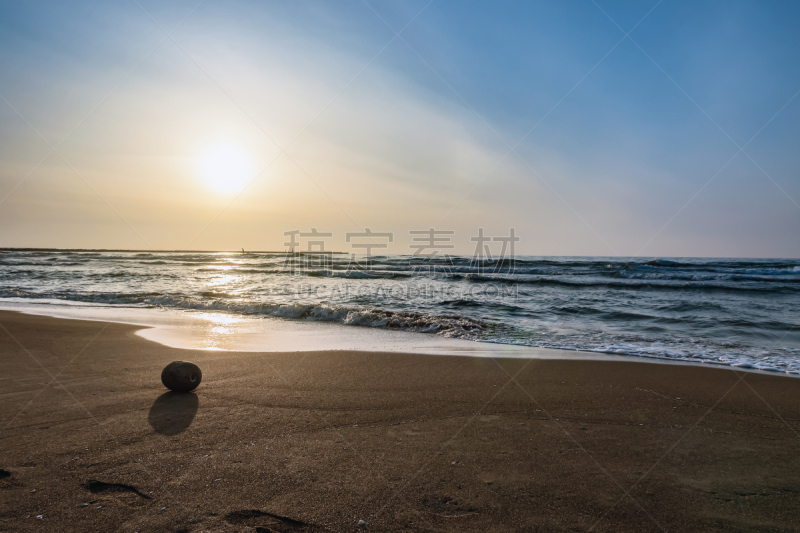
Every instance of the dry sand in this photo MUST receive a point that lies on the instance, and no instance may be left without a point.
(318, 441)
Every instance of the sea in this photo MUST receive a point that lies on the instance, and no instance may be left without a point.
(735, 312)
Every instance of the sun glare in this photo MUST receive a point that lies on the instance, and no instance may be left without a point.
(226, 168)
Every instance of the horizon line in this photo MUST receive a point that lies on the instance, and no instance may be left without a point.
(270, 252)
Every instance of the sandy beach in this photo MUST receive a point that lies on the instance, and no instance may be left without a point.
(318, 441)
(435, 266)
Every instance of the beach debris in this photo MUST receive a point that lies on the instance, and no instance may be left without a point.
(39, 516)
(361, 523)
(181, 376)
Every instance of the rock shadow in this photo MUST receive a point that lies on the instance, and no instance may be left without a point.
(173, 412)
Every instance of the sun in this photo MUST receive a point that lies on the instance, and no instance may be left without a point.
(226, 168)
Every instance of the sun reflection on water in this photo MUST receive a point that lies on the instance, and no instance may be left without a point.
(220, 318)
(223, 280)
(222, 327)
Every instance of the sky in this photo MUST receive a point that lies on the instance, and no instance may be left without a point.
(607, 128)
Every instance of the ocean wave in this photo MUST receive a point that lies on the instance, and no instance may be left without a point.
(757, 276)
(448, 326)
(634, 284)
(713, 310)
(370, 274)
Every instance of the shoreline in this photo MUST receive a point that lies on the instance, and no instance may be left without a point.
(193, 330)
(316, 441)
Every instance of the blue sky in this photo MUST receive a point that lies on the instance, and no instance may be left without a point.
(621, 146)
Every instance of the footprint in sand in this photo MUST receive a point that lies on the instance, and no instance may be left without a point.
(121, 491)
(268, 522)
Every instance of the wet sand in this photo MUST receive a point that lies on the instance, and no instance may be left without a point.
(317, 441)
